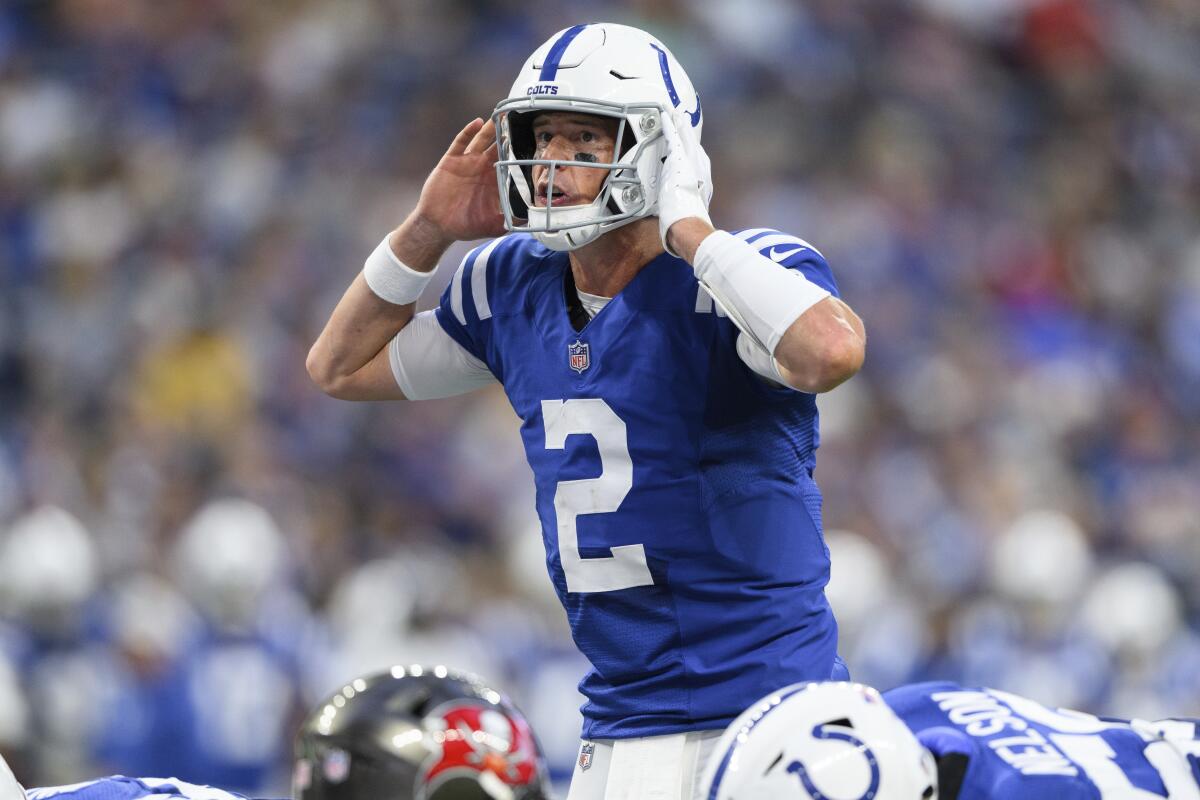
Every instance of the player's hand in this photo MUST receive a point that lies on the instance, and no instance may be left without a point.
(460, 198)
(684, 185)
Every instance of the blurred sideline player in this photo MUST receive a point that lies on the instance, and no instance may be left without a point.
(666, 397)
(940, 740)
(406, 734)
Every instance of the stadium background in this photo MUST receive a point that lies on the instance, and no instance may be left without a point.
(195, 544)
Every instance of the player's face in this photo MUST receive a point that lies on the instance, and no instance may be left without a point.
(568, 136)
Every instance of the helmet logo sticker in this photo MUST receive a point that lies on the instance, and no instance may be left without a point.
(798, 769)
(665, 66)
(475, 739)
(579, 356)
(335, 766)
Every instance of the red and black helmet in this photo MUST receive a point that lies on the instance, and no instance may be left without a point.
(417, 733)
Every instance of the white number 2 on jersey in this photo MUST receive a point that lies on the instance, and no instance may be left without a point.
(626, 567)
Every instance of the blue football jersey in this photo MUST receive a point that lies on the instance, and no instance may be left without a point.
(118, 787)
(675, 487)
(1018, 749)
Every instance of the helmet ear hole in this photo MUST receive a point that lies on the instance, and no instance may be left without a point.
(628, 143)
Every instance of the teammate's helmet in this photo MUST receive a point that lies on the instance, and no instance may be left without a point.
(9, 788)
(609, 70)
(49, 568)
(813, 741)
(230, 554)
(414, 733)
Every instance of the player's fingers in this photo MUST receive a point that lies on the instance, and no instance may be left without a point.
(670, 132)
(482, 137)
(459, 145)
(492, 153)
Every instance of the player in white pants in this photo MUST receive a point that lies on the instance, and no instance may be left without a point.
(667, 767)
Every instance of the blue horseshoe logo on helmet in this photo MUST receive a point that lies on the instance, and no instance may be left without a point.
(798, 769)
(665, 66)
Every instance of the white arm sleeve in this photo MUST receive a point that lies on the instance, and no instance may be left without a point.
(763, 298)
(428, 363)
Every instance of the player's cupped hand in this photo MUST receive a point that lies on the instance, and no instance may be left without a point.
(460, 197)
(682, 182)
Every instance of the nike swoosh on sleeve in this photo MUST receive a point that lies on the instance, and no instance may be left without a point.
(777, 256)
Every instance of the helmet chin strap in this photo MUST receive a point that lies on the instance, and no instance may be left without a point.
(570, 239)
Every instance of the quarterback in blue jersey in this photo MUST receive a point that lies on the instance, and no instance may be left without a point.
(940, 741)
(408, 733)
(664, 372)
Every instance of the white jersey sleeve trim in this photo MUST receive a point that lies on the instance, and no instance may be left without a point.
(456, 292)
(767, 245)
(428, 364)
(479, 280)
(751, 232)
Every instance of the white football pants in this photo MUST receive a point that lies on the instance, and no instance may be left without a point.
(650, 768)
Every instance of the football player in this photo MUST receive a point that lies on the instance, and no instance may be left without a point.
(411, 733)
(665, 373)
(940, 740)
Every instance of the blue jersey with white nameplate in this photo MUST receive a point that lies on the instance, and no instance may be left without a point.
(675, 487)
(119, 787)
(1018, 749)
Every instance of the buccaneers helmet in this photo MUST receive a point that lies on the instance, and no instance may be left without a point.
(415, 733)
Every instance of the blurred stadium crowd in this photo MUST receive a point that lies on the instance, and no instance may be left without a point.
(195, 544)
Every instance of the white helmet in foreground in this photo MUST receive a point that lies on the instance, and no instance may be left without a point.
(9, 788)
(607, 70)
(820, 741)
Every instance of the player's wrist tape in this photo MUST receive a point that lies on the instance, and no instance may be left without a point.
(391, 279)
(762, 298)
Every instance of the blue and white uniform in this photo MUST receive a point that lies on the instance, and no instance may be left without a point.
(675, 487)
(119, 787)
(1017, 749)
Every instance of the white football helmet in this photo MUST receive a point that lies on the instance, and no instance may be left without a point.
(230, 554)
(608, 70)
(49, 566)
(9, 788)
(820, 741)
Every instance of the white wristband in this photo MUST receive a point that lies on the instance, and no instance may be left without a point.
(392, 279)
(761, 297)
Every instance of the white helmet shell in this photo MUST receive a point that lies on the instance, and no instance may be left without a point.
(9, 788)
(229, 555)
(608, 70)
(813, 741)
(48, 561)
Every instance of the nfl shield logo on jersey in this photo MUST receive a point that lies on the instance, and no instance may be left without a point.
(579, 356)
(585, 755)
